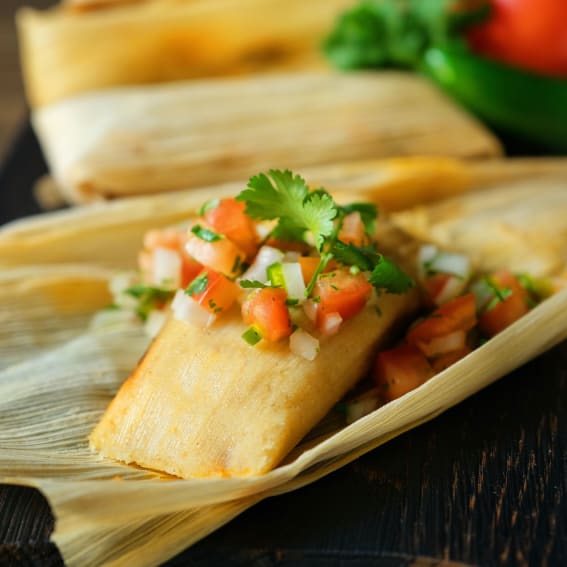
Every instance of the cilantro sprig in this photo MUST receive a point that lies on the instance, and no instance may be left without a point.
(285, 197)
(148, 298)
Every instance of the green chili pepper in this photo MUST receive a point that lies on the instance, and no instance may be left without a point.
(519, 102)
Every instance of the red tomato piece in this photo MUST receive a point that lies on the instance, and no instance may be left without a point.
(456, 315)
(439, 363)
(400, 370)
(531, 34)
(219, 294)
(229, 218)
(504, 312)
(341, 292)
(266, 308)
(352, 230)
(309, 265)
(221, 255)
(190, 268)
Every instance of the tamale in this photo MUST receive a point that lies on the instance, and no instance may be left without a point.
(203, 403)
(128, 141)
(66, 50)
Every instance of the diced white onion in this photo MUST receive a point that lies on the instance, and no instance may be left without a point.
(310, 309)
(266, 257)
(365, 404)
(186, 309)
(425, 255)
(331, 324)
(155, 322)
(448, 263)
(484, 294)
(293, 278)
(167, 268)
(303, 344)
(441, 345)
(453, 287)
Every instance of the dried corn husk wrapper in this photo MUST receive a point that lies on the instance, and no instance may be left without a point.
(138, 140)
(86, 45)
(118, 515)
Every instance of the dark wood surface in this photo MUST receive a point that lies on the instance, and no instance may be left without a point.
(484, 484)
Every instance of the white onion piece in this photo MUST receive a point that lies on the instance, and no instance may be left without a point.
(453, 287)
(363, 405)
(293, 278)
(448, 263)
(331, 324)
(258, 270)
(154, 322)
(425, 255)
(186, 309)
(167, 268)
(303, 344)
(310, 309)
(291, 256)
(441, 345)
(484, 294)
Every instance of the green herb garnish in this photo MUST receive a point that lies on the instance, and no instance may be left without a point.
(206, 234)
(252, 335)
(149, 298)
(208, 206)
(284, 196)
(252, 284)
(198, 285)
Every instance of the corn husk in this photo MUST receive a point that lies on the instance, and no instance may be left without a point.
(520, 225)
(139, 140)
(118, 515)
(66, 50)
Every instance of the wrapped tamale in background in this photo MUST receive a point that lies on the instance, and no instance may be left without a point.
(127, 141)
(67, 50)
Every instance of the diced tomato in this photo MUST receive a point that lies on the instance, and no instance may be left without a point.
(439, 363)
(266, 308)
(221, 255)
(502, 313)
(228, 218)
(452, 342)
(341, 292)
(352, 230)
(400, 370)
(219, 294)
(456, 315)
(309, 265)
(170, 238)
(190, 268)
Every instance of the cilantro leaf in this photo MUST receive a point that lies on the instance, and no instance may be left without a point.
(363, 257)
(284, 196)
(388, 276)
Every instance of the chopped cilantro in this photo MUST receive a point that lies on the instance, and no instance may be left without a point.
(252, 284)
(149, 298)
(208, 206)
(252, 336)
(291, 302)
(198, 285)
(500, 293)
(206, 234)
(286, 197)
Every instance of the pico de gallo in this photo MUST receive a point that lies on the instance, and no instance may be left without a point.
(296, 266)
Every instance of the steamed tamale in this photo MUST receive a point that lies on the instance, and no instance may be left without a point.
(136, 140)
(67, 50)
